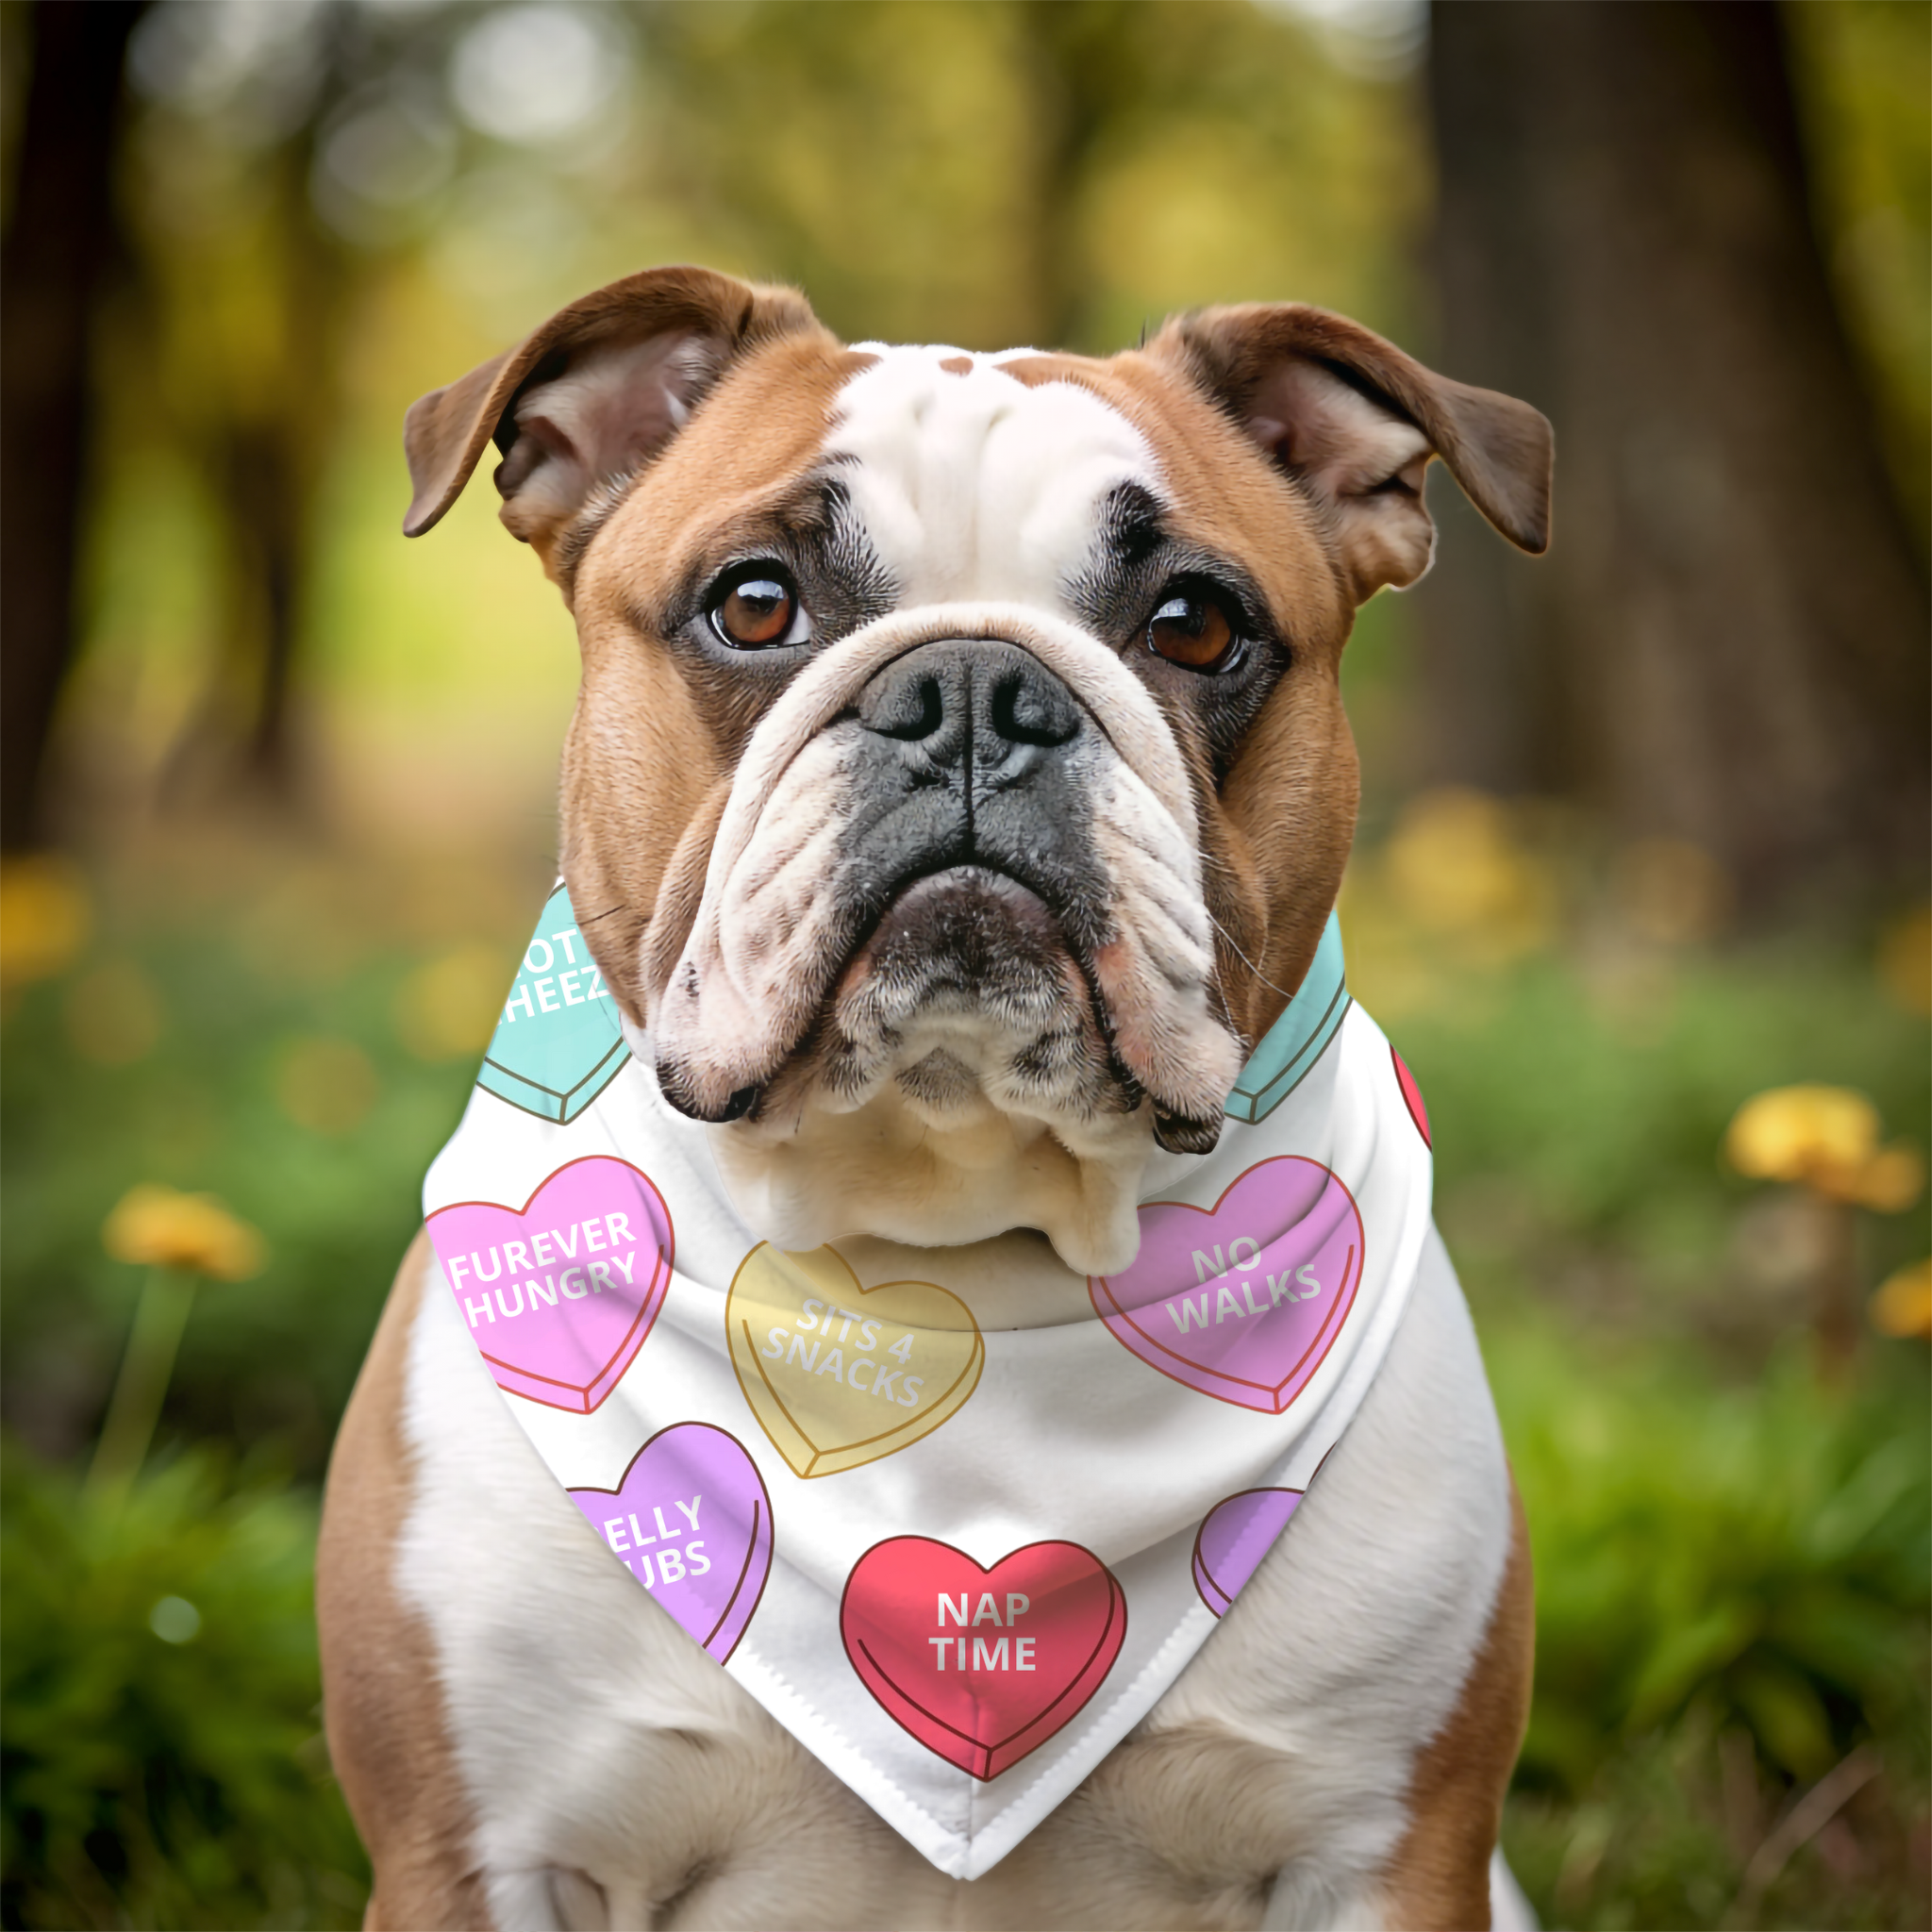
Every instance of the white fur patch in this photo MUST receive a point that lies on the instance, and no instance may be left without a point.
(976, 486)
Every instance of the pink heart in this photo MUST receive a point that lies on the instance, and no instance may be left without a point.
(1235, 1534)
(981, 1666)
(559, 1295)
(693, 1523)
(1241, 1301)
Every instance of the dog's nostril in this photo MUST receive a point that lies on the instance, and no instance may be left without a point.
(970, 700)
(914, 709)
(676, 1087)
(1030, 710)
(1179, 1135)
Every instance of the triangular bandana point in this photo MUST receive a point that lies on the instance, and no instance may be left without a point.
(903, 1531)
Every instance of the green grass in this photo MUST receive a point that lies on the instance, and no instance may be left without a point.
(1734, 1562)
(238, 989)
(161, 1762)
(1731, 1599)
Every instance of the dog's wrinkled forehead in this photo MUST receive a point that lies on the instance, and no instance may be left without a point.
(975, 482)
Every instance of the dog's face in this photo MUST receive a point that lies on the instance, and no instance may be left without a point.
(959, 782)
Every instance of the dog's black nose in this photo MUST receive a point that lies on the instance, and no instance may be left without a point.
(976, 703)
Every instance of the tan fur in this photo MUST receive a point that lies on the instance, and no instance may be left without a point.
(640, 756)
(1438, 1880)
(1277, 844)
(640, 761)
(382, 1703)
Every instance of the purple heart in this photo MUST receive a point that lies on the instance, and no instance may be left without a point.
(1236, 1533)
(1241, 1301)
(691, 1521)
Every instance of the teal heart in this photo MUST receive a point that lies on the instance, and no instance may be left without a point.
(559, 1043)
(1299, 1038)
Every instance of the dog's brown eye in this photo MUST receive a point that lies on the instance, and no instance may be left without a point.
(1193, 629)
(756, 612)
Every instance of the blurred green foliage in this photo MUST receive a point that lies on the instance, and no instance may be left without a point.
(253, 1051)
(1741, 1563)
(161, 1763)
(1766, 1547)
(1584, 1106)
(1734, 1558)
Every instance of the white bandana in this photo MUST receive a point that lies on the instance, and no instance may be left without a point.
(955, 1517)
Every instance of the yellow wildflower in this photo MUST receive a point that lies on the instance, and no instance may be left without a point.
(1903, 1304)
(1888, 1183)
(160, 1227)
(44, 917)
(1825, 1138)
(1792, 1133)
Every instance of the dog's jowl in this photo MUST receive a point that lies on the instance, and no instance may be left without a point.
(930, 1395)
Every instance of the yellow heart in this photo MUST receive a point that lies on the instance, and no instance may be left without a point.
(839, 1375)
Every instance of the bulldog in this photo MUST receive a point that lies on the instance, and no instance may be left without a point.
(958, 792)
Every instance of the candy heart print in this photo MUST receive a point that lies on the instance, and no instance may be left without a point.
(559, 1295)
(1241, 1301)
(1236, 1533)
(557, 1043)
(691, 1521)
(1411, 1096)
(839, 1375)
(981, 1666)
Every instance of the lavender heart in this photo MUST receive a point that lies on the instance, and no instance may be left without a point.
(693, 1523)
(1236, 1533)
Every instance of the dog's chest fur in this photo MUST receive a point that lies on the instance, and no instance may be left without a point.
(599, 1744)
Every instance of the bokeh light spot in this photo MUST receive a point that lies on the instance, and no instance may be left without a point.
(533, 75)
(45, 916)
(326, 1085)
(175, 1620)
(114, 1014)
(449, 1005)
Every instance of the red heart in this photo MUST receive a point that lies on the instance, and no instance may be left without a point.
(1412, 1095)
(981, 1666)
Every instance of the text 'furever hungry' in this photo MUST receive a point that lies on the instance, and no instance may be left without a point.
(515, 1265)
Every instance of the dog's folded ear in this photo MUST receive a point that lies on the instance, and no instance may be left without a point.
(1356, 422)
(585, 400)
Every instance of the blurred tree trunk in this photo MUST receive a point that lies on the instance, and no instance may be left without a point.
(1728, 641)
(1082, 73)
(263, 447)
(54, 262)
